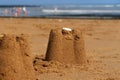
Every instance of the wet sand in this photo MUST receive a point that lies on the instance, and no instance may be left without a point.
(101, 44)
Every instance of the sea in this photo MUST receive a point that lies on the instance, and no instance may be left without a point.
(64, 11)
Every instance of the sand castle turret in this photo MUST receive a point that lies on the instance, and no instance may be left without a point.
(66, 46)
(15, 59)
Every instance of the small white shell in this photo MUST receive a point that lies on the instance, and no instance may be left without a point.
(67, 29)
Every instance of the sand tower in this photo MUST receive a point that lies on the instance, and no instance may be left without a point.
(66, 46)
(15, 58)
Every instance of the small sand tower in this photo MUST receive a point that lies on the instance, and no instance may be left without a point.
(66, 46)
(15, 59)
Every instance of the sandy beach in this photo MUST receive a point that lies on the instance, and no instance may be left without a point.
(101, 45)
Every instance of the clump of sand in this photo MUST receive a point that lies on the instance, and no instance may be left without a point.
(41, 66)
(66, 46)
(15, 58)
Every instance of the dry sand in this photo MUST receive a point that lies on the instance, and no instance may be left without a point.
(102, 43)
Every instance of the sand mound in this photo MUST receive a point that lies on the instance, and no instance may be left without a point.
(66, 46)
(15, 59)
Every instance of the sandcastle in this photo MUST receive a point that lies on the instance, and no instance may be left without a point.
(15, 58)
(66, 46)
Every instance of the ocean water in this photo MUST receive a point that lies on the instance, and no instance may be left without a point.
(66, 11)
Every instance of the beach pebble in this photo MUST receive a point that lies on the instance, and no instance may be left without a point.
(1, 35)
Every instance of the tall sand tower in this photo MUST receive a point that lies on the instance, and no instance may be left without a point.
(66, 46)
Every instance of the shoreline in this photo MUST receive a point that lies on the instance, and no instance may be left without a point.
(59, 17)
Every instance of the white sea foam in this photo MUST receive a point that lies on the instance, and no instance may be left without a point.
(118, 5)
(103, 5)
(71, 6)
(80, 11)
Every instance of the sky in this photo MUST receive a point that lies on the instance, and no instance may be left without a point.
(45, 2)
